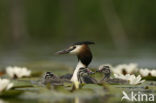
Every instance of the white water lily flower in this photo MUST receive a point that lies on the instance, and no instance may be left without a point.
(136, 80)
(125, 68)
(18, 72)
(117, 70)
(153, 73)
(147, 72)
(5, 84)
(144, 72)
(121, 76)
(131, 78)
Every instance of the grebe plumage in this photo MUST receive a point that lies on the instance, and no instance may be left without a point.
(107, 76)
(84, 76)
(83, 53)
(51, 78)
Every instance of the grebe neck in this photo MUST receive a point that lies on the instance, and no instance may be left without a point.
(79, 65)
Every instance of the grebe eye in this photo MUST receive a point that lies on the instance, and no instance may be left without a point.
(73, 47)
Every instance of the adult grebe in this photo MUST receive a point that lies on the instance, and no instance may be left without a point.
(84, 55)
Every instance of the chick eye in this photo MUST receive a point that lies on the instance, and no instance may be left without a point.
(106, 71)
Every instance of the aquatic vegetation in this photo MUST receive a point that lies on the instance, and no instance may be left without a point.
(5, 84)
(17, 72)
(131, 78)
(132, 68)
(147, 72)
(125, 69)
(144, 72)
(26, 89)
(153, 73)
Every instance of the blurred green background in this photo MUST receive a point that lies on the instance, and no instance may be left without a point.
(123, 30)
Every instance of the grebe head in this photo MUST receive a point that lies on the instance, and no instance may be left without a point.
(81, 50)
(105, 69)
(76, 48)
(82, 73)
(49, 75)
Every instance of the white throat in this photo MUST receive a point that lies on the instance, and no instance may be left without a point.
(74, 77)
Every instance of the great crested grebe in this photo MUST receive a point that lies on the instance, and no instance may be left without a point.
(83, 53)
(107, 76)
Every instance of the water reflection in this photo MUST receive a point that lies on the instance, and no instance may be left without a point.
(77, 100)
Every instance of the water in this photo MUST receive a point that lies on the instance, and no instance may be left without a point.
(145, 57)
(42, 58)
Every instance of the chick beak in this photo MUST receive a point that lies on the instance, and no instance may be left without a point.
(90, 72)
(98, 70)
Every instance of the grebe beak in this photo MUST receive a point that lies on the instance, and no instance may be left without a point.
(66, 51)
(98, 70)
(62, 52)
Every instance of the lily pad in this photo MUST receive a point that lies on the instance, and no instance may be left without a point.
(151, 78)
(11, 93)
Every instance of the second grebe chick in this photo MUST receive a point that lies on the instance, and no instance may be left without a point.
(107, 76)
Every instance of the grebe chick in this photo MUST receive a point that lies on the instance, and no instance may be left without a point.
(107, 76)
(84, 76)
(68, 76)
(50, 78)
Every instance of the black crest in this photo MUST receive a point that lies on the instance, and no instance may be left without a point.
(83, 42)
